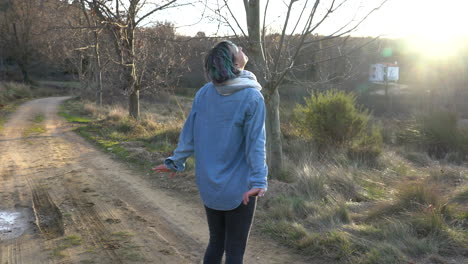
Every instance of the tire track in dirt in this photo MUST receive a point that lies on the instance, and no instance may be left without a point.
(16, 196)
(48, 162)
(113, 214)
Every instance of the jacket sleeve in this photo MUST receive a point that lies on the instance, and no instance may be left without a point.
(185, 147)
(255, 139)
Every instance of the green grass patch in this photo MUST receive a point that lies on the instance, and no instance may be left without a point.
(39, 118)
(383, 254)
(77, 119)
(334, 245)
(461, 197)
(134, 141)
(2, 123)
(111, 146)
(65, 243)
(73, 118)
(34, 130)
(289, 207)
(373, 190)
(121, 236)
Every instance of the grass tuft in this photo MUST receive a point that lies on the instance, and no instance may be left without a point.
(65, 243)
(39, 118)
(34, 130)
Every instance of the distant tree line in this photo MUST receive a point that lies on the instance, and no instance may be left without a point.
(61, 40)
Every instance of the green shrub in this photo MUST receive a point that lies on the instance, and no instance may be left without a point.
(457, 157)
(368, 146)
(418, 158)
(13, 91)
(410, 136)
(441, 135)
(437, 134)
(331, 118)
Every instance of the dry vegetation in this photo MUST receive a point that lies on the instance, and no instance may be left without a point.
(403, 207)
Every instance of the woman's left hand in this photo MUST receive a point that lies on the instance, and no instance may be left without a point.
(252, 192)
(163, 168)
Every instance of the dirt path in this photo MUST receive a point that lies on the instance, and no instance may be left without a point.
(107, 213)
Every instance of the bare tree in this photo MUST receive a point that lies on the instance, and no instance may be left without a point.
(19, 31)
(162, 58)
(95, 29)
(121, 19)
(275, 61)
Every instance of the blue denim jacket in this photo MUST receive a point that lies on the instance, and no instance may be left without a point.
(227, 136)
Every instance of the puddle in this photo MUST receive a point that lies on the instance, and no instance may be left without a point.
(12, 224)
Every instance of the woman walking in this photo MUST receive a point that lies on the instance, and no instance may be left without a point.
(226, 132)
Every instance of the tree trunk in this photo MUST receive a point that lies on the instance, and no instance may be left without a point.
(272, 122)
(273, 130)
(99, 70)
(129, 51)
(24, 72)
(134, 104)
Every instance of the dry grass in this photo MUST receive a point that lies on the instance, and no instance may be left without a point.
(397, 212)
(13, 91)
(405, 208)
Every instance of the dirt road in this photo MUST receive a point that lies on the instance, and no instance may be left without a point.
(63, 201)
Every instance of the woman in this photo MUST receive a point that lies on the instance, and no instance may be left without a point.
(226, 132)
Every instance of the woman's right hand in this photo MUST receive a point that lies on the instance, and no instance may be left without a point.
(252, 192)
(163, 168)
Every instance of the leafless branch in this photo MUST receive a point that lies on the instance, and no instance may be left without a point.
(235, 19)
(155, 10)
(329, 11)
(264, 24)
(283, 33)
(297, 22)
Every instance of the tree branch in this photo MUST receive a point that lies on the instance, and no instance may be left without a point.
(235, 19)
(283, 33)
(154, 10)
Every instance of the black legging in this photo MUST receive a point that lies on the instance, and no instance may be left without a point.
(229, 230)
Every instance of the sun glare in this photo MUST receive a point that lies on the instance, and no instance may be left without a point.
(435, 46)
(436, 28)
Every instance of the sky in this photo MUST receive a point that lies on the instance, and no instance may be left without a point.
(430, 27)
(397, 18)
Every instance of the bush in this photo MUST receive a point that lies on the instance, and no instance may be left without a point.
(13, 91)
(441, 135)
(418, 158)
(368, 146)
(331, 118)
(437, 134)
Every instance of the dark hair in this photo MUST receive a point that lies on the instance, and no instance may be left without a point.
(219, 63)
